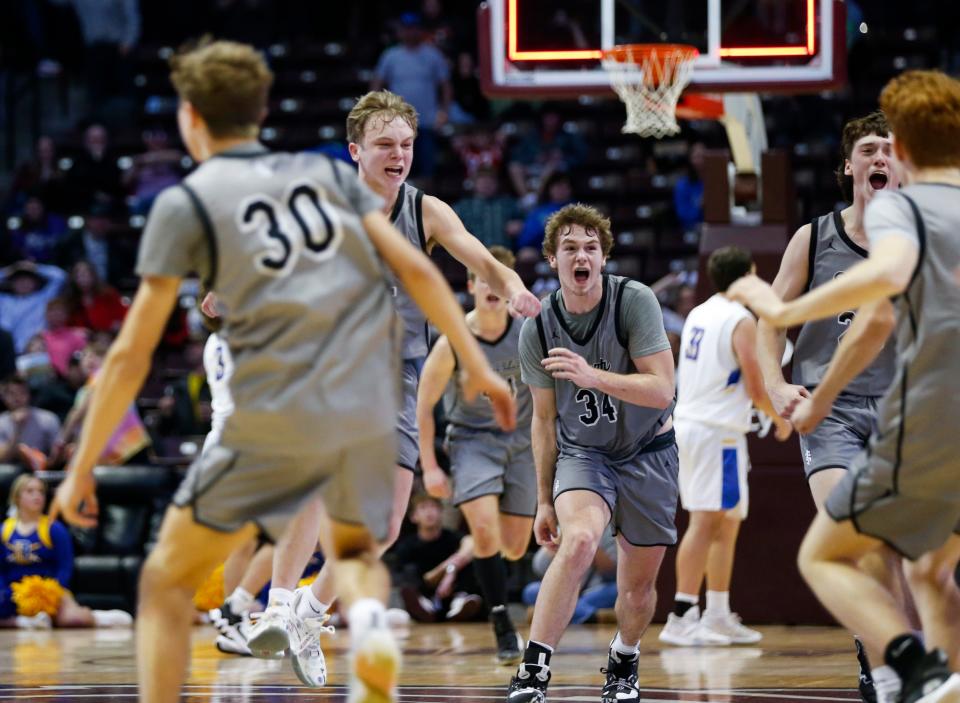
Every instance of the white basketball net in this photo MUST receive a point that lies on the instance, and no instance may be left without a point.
(649, 82)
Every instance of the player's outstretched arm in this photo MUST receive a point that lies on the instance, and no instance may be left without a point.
(432, 294)
(543, 436)
(651, 387)
(858, 348)
(123, 373)
(790, 282)
(744, 342)
(448, 231)
(886, 273)
(436, 374)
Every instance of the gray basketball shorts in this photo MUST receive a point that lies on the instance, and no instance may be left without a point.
(837, 440)
(641, 493)
(408, 446)
(487, 462)
(226, 488)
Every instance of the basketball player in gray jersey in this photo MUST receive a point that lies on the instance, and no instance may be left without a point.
(903, 490)
(818, 253)
(292, 246)
(381, 129)
(600, 371)
(494, 480)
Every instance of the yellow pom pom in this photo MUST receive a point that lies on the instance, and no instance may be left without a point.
(210, 594)
(36, 594)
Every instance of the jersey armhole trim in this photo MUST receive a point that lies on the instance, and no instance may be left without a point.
(542, 335)
(418, 210)
(207, 231)
(921, 237)
(336, 171)
(398, 204)
(617, 324)
(812, 250)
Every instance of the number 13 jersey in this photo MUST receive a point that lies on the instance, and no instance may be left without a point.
(709, 387)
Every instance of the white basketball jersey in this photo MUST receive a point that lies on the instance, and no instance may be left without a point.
(709, 387)
(218, 364)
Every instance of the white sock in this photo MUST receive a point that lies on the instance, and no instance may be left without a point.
(240, 601)
(887, 684)
(627, 650)
(309, 606)
(279, 598)
(687, 598)
(366, 614)
(718, 602)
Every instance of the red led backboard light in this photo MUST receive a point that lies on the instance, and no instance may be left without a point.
(516, 54)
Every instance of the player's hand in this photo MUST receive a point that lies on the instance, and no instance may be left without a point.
(524, 304)
(436, 483)
(782, 429)
(785, 397)
(445, 587)
(569, 366)
(759, 296)
(209, 305)
(486, 381)
(809, 413)
(76, 500)
(546, 530)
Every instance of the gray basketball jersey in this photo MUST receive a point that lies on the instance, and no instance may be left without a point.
(587, 419)
(831, 253)
(504, 358)
(307, 314)
(407, 216)
(919, 417)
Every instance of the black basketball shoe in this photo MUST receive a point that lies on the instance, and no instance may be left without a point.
(867, 691)
(509, 642)
(621, 674)
(529, 685)
(931, 681)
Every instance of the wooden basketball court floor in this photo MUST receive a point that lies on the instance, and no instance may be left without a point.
(441, 663)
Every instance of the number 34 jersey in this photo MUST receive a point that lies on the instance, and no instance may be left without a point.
(307, 313)
(709, 387)
(586, 418)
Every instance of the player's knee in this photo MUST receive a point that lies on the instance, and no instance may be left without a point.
(579, 545)
(639, 597)
(486, 538)
(516, 549)
(157, 578)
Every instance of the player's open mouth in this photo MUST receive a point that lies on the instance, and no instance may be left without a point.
(878, 180)
(493, 299)
(581, 275)
(394, 170)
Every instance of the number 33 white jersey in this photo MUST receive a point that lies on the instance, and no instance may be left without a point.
(709, 387)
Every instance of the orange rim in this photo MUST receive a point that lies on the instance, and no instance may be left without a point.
(631, 53)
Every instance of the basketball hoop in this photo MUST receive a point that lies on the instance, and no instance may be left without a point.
(649, 79)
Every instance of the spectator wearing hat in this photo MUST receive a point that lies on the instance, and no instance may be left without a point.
(418, 72)
(25, 290)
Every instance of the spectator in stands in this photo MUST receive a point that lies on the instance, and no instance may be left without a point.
(479, 147)
(543, 152)
(185, 406)
(418, 72)
(61, 339)
(129, 442)
(94, 176)
(39, 234)
(93, 304)
(688, 191)
(33, 364)
(90, 244)
(599, 589)
(57, 393)
(432, 562)
(489, 216)
(111, 30)
(41, 176)
(25, 290)
(32, 545)
(559, 192)
(27, 434)
(155, 169)
(469, 102)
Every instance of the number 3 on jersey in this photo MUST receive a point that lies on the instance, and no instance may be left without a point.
(693, 348)
(595, 404)
(301, 223)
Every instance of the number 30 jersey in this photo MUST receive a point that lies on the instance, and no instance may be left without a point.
(586, 418)
(709, 387)
(307, 313)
